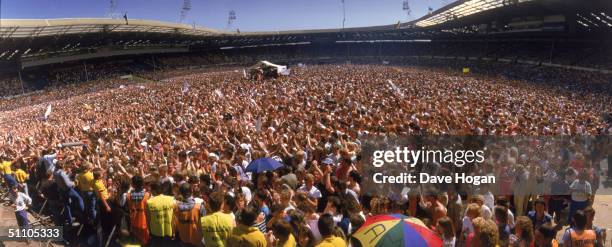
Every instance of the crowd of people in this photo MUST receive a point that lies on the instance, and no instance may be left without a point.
(11, 86)
(163, 163)
(536, 52)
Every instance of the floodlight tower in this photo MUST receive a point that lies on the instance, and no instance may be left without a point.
(231, 17)
(343, 14)
(112, 9)
(406, 8)
(186, 8)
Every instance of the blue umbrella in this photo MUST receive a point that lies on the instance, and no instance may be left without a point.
(263, 164)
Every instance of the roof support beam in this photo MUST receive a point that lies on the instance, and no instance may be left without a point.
(9, 32)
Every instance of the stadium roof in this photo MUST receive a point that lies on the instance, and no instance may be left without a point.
(24, 38)
(464, 8)
(460, 9)
(33, 28)
(27, 39)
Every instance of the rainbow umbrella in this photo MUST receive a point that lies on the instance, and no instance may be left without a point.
(396, 230)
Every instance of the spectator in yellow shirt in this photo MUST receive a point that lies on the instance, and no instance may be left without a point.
(7, 174)
(85, 183)
(326, 228)
(102, 196)
(216, 227)
(245, 234)
(22, 176)
(101, 192)
(282, 235)
(159, 213)
(6, 167)
(100, 188)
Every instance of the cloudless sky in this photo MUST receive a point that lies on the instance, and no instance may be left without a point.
(251, 15)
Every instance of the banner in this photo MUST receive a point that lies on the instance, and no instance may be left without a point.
(185, 87)
(48, 112)
(284, 71)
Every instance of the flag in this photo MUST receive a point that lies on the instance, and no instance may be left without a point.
(219, 93)
(395, 88)
(429, 10)
(398, 25)
(285, 72)
(244, 74)
(185, 87)
(258, 125)
(48, 112)
(125, 18)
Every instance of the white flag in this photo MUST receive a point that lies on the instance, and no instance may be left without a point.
(219, 93)
(48, 112)
(394, 87)
(285, 71)
(185, 87)
(244, 74)
(258, 125)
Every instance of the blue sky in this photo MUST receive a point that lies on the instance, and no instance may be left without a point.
(252, 15)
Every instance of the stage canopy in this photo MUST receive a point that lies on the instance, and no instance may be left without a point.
(264, 65)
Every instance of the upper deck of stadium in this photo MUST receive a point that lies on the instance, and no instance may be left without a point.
(27, 40)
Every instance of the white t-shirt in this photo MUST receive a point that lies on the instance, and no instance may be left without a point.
(510, 219)
(486, 212)
(314, 227)
(312, 193)
(167, 179)
(449, 242)
(247, 194)
(21, 201)
(489, 199)
(580, 191)
(467, 226)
